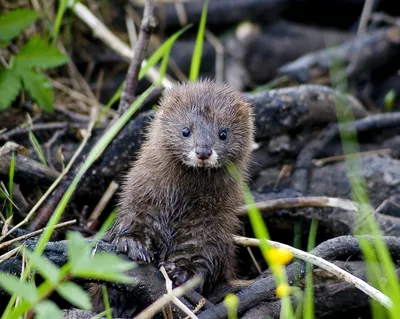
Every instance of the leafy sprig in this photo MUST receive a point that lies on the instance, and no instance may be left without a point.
(24, 68)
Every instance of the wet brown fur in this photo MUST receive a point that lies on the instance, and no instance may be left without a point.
(179, 216)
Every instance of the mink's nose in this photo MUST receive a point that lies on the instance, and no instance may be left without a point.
(203, 153)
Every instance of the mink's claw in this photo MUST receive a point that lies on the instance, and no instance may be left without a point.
(177, 274)
(135, 250)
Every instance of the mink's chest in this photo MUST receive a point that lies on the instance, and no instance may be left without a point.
(181, 225)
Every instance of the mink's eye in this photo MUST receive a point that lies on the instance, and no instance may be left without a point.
(223, 134)
(186, 132)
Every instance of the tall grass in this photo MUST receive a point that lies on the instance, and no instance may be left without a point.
(11, 186)
(198, 49)
(379, 263)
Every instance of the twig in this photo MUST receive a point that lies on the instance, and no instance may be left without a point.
(181, 12)
(102, 32)
(34, 233)
(93, 116)
(35, 127)
(75, 94)
(323, 264)
(50, 143)
(317, 201)
(365, 15)
(219, 54)
(322, 161)
(130, 26)
(10, 253)
(93, 218)
(175, 300)
(3, 190)
(160, 303)
(147, 27)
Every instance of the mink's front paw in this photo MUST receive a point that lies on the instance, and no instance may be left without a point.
(133, 248)
(177, 274)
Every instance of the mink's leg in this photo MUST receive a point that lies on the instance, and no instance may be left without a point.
(204, 262)
(132, 244)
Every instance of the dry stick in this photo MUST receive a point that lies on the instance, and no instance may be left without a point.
(161, 302)
(88, 134)
(175, 300)
(101, 205)
(35, 127)
(365, 15)
(322, 161)
(3, 190)
(316, 201)
(75, 94)
(130, 26)
(34, 233)
(147, 27)
(10, 253)
(323, 264)
(219, 54)
(103, 33)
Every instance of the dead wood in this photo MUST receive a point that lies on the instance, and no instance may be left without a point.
(361, 56)
(331, 297)
(255, 53)
(282, 110)
(221, 12)
(263, 289)
(27, 171)
(300, 179)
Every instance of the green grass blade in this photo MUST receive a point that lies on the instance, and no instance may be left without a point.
(62, 7)
(198, 49)
(374, 251)
(38, 149)
(11, 186)
(161, 53)
(106, 302)
(309, 298)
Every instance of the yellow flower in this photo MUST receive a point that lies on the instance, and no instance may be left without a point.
(283, 290)
(231, 302)
(278, 256)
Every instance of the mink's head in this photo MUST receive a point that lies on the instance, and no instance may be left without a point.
(205, 125)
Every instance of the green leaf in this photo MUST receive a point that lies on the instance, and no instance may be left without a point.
(103, 266)
(10, 84)
(163, 51)
(24, 289)
(198, 49)
(39, 88)
(75, 295)
(78, 251)
(13, 22)
(48, 309)
(45, 267)
(389, 99)
(37, 53)
(106, 266)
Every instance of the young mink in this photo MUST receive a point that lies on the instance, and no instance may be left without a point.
(178, 202)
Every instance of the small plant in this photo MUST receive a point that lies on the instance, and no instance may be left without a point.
(81, 264)
(25, 68)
